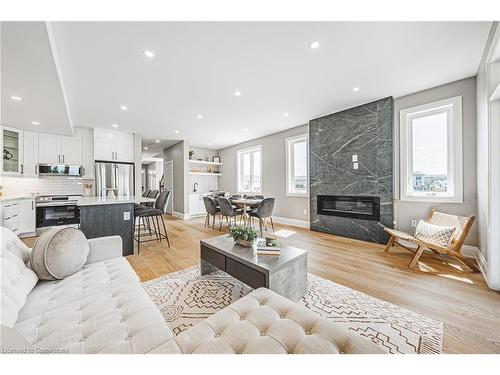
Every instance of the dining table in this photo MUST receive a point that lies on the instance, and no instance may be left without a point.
(246, 204)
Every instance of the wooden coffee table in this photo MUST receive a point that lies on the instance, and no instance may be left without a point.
(285, 274)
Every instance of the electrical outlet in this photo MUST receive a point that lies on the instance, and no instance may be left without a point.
(355, 165)
(126, 215)
(305, 211)
(414, 223)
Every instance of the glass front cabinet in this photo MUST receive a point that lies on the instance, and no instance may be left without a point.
(12, 142)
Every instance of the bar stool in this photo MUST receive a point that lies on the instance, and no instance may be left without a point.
(153, 213)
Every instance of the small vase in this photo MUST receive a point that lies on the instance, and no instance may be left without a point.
(244, 243)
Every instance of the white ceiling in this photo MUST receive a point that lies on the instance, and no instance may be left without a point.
(29, 71)
(198, 66)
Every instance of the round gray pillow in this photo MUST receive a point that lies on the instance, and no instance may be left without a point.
(59, 253)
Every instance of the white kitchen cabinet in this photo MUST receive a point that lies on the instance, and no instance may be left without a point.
(12, 146)
(112, 145)
(87, 139)
(196, 205)
(27, 216)
(71, 150)
(30, 154)
(49, 148)
(59, 149)
(10, 215)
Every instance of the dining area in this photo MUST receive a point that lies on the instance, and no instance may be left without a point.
(249, 210)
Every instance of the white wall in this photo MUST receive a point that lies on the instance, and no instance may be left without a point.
(273, 173)
(178, 154)
(407, 211)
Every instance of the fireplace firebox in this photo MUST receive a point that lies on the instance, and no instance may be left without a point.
(358, 207)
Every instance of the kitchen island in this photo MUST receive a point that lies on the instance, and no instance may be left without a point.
(109, 216)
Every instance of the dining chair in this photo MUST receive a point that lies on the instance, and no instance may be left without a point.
(153, 194)
(212, 210)
(228, 212)
(145, 193)
(259, 197)
(263, 211)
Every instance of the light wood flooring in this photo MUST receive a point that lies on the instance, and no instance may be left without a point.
(461, 300)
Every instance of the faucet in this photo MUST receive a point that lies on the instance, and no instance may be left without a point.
(195, 187)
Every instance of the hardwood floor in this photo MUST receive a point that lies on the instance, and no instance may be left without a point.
(461, 300)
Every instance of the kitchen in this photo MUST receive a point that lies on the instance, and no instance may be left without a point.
(50, 180)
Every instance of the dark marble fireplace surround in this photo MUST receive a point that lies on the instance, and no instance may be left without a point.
(365, 131)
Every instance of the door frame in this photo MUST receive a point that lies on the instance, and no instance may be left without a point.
(170, 162)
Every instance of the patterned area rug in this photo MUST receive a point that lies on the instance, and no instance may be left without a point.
(185, 298)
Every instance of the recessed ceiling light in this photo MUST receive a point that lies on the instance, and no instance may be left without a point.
(355, 89)
(199, 117)
(114, 125)
(148, 53)
(35, 122)
(237, 93)
(285, 114)
(245, 129)
(218, 139)
(123, 107)
(314, 44)
(209, 144)
(145, 148)
(157, 140)
(176, 131)
(18, 98)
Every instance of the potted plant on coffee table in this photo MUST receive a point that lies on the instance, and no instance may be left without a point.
(243, 235)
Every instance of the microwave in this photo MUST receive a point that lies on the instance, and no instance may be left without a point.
(60, 170)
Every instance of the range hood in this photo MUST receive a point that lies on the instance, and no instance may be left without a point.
(60, 170)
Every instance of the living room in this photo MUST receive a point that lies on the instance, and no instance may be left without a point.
(250, 187)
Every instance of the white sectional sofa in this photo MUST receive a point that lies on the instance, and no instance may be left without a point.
(104, 309)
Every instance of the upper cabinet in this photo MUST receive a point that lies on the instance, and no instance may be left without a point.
(87, 139)
(59, 149)
(12, 146)
(112, 145)
(30, 154)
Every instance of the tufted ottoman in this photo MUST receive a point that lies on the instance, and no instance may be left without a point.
(267, 323)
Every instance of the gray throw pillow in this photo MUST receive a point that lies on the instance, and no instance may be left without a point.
(59, 253)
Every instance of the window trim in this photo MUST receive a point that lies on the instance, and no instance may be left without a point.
(455, 155)
(288, 161)
(238, 168)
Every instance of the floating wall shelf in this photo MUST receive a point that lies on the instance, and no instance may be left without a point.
(204, 162)
(206, 174)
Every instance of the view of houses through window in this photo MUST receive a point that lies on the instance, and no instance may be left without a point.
(250, 170)
(297, 165)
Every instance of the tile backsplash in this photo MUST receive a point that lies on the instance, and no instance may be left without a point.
(44, 185)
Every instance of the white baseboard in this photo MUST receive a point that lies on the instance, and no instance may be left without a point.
(180, 215)
(289, 221)
(473, 252)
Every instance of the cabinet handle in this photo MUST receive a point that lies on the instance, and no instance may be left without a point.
(32, 205)
(22, 168)
(36, 172)
(63, 159)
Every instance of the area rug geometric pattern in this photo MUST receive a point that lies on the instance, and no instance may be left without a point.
(186, 298)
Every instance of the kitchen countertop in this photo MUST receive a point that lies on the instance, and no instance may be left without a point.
(100, 201)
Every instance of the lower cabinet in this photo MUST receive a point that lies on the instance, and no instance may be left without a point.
(19, 216)
(196, 205)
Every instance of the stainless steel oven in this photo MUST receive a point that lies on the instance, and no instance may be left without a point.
(57, 210)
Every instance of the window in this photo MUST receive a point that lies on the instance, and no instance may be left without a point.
(296, 165)
(250, 170)
(431, 152)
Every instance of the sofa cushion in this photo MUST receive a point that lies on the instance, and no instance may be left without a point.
(17, 279)
(100, 309)
(265, 322)
(59, 253)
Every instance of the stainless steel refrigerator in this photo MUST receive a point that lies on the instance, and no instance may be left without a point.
(114, 179)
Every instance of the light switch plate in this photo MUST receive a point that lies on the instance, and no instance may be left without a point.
(355, 158)
(126, 215)
(355, 165)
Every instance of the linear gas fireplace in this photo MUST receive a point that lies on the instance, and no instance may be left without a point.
(358, 207)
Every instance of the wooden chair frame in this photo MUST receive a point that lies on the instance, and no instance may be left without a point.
(453, 250)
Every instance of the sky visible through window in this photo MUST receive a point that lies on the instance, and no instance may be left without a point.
(430, 144)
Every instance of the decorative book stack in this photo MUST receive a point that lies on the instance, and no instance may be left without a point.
(269, 246)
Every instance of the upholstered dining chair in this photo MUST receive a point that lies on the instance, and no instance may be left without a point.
(462, 225)
(153, 194)
(228, 212)
(145, 193)
(212, 210)
(259, 197)
(263, 211)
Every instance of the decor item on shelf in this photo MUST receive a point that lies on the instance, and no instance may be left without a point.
(88, 189)
(209, 170)
(191, 153)
(1, 192)
(216, 159)
(7, 154)
(243, 235)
